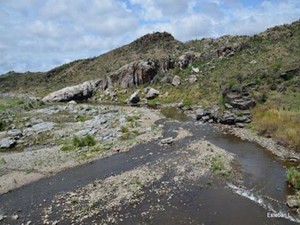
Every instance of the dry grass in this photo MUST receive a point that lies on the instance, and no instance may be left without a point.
(281, 125)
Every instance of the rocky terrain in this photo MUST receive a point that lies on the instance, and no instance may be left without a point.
(42, 142)
(95, 108)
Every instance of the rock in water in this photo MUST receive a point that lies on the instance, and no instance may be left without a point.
(152, 93)
(79, 92)
(134, 98)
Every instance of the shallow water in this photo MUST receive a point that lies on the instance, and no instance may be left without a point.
(262, 196)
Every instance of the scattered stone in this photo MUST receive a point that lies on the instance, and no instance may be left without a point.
(192, 79)
(152, 93)
(7, 143)
(240, 125)
(72, 102)
(176, 81)
(253, 62)
(292, 201)
(195, 70)
(135, 98)
(167, 141)
(199, 114)
(186, 59)
(180, 105)
(228, 106)
(166, 80)
(15, 217)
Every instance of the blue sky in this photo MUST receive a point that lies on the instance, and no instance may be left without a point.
(37, 35)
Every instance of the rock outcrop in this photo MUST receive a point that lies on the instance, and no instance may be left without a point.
(138, 72)
(239, 99)
(77, 93)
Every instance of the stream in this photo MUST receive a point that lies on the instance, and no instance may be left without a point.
(261, 199)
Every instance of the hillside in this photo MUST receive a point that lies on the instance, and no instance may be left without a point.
(266, 65)
(156, 45)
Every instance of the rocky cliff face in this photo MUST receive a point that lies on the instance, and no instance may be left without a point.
(138, 73)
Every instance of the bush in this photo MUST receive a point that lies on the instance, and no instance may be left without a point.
(293, 177)
(282, 126)
(84, 141)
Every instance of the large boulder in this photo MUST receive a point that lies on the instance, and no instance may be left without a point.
(78, 93)
(152, 94)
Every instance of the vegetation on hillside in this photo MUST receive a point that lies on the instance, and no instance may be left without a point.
(268, 64)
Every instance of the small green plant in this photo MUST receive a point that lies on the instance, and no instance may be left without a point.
(124, 129)
(84, 141)
(293, 177)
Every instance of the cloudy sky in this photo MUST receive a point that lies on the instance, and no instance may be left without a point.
(37, 35)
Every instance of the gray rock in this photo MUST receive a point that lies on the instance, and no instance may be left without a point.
(199, 114)
(72, 102)
(228, 106)
(180, 105)
(133, 74)
(85, 132)
(40, 127)
(134, 98)
(240, 125)
(152, 93)
(6, 143)
(176, 81)
(239, 100)
(228, 118)
(185, 59)
(195, 69)
(16, 133)
(205, 118)
(166, 80)
(192, 79)
(292, 202)
(243, 119)
(167, 141)
(79, 92)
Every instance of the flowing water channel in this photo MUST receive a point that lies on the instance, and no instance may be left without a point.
(261, 200)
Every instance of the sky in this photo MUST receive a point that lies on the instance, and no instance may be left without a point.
(38, 35)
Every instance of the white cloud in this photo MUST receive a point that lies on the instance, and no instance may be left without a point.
(36, 35)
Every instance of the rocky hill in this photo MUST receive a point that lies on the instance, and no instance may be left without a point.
(228, 76)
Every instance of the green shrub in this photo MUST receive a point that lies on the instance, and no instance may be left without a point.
(124, 129)
(293, 177)
(84, 141)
